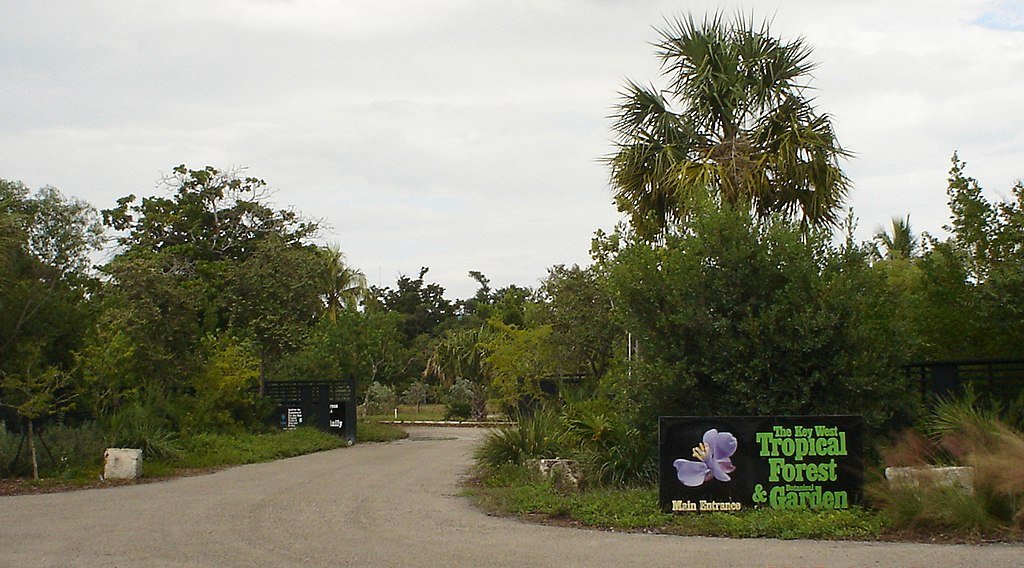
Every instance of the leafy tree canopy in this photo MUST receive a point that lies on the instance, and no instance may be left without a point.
(423, 304)
(212, 215)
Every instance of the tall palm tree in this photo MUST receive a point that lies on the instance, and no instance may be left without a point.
(343, 286)
(901, 242)
(733, 124)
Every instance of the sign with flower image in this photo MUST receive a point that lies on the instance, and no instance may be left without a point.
(729, 463)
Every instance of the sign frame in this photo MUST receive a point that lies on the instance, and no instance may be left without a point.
(731, 463)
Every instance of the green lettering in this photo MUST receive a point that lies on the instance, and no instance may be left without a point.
(765, 438)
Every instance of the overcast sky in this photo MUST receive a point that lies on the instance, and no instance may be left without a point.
(466, 135)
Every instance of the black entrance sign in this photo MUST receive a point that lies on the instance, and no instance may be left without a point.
(327, 405)
(728, 463)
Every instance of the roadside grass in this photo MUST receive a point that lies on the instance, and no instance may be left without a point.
(409, 412)
(218, 450)
(371, 431)
(197, 453)
(511, 490)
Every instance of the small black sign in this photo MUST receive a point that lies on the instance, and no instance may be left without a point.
(728, 463)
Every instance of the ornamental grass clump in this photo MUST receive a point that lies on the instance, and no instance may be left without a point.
(958, 434)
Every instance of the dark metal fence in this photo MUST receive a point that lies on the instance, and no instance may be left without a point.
(327, 405)
(552, 385)
(992, 381)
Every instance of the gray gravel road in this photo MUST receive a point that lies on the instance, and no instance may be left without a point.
(373, 505)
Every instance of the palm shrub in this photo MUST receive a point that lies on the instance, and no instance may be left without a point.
(139, 426)
(537, 436)
(610, 450)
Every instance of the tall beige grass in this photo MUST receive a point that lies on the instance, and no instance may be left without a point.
(958, 434)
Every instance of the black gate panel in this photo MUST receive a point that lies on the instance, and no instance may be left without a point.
(327, 405)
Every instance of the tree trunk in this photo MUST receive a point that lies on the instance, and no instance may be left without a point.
(263, 376)
(32, 451)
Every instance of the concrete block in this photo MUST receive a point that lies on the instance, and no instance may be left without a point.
(962, 477)
(122, 463)
(565, 473)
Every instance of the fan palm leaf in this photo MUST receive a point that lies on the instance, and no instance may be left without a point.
(733, 125)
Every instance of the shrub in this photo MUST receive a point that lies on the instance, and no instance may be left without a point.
(76, 450)
(739, 315)
(380, 399)
(466, 399)
(224, 397)
(533, 437)
(457, 410)
(215, 450)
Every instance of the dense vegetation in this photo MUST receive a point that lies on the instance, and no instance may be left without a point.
(729, 294)
(734, 288)
(208, 293)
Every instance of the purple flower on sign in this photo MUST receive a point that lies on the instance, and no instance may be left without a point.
(713, 455)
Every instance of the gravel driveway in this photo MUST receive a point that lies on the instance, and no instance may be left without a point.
(373, 505)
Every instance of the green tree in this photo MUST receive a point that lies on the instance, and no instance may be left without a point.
(368, 345)
(146, 341)
(417, 393)
(271, 299)
(579, 311)
(516, 360)
(509, 305)
(385, 353)
(212, 215)
(899, 242)
(423, 304)
(971, 301)
(459, 356)
(45, 240)
(741, 316)
(213, 259)
(344, 286)
(224, 386)
(35, 390)
(734, 124)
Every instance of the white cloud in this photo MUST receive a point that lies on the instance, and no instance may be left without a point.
(466, 135)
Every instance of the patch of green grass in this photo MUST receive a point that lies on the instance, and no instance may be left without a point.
(409, 412)
(854, 523)
(512, 490)
(370, 431)
(218, 450)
